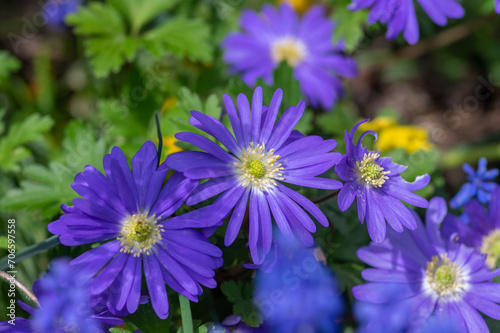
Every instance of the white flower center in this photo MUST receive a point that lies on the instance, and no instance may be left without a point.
(491, 246)
(289, 49)
(372, 173)
(257, 167)
(139, 233)
(445, 278)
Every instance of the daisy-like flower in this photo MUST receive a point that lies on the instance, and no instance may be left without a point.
(65, 305)
(376, 184)
(480, 184)
(305, 43)
(483, 231)
(261, 157)
(435, 276)
(129, 210)
(308, 300)
(400, 17)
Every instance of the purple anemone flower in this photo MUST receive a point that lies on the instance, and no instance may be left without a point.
(483, 231)
(376, 184)
(400, 16)
(305, 43)
(65, 305)
(435, 276)
(497, 6)
(129, 210)
(261, 157)
(480, 184)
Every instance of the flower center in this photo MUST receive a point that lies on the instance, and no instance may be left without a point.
(257, 167)
(444, 276)
(288, 49)
(372, 173)
(491, 246)
(139, 233)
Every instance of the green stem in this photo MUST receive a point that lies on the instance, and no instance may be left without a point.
(31, 251)
(187, 321)
(458, 156)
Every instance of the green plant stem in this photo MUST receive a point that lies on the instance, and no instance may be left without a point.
(458, 156)
(187, 321)
(31, 251)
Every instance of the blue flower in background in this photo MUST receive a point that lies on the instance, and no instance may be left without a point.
(388, 317)
(305, 43)
(400, 16)
(298, 294)
(65, 305)
(128, 211)
(435, 276)
(497, 6)
(479, 184)
(55, 11)
(483, 230)
(376, 184)
(261, 157)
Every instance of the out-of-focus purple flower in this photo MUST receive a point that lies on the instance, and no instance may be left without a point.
(261, 156)
(376, 184)
(65, 305)
(55, 11)
(497, 6)
(436, 276)
(305, 43)
(298, 294)
(479, 184)
(400, 17)
(483, 231)
(388, 317)
(129, 211)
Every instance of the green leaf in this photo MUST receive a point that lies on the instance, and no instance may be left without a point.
(108, 53)
(232, 290)
(147, 321)
(8, 64)
(181, 36)
(4, 242)
(140, 12)
(249, 314)
(283, 78)
(349, 25)
(96, 19)
(46, 188)
(28, 130)
(189, 101)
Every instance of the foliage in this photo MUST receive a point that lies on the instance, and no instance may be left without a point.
(112, 44)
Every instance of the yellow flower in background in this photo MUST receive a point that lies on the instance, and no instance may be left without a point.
(378, 124)
(169, 145)
(300, 5)
(393, 136)
(169, 103)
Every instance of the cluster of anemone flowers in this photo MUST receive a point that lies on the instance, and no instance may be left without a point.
(149, 222)
(427, 271)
